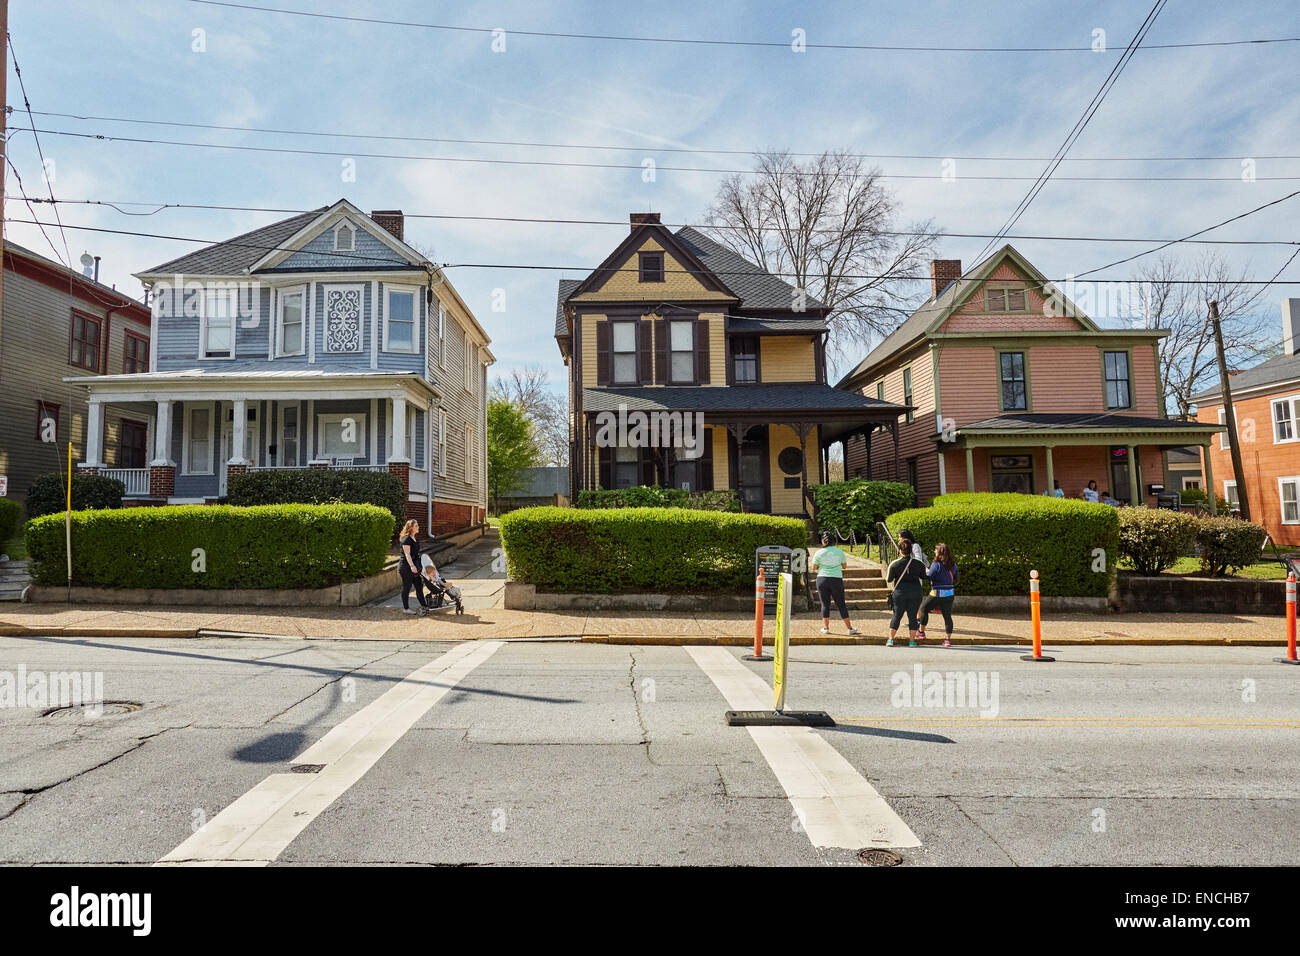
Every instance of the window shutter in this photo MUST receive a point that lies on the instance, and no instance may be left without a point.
(602, 354)
(702, 351)
(645, 467)
(643, 367)
(605, 467)
(661, 351)
(706, 461)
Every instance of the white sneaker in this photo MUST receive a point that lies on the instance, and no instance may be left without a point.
(407, 610)
(825, 631)
(853, 631)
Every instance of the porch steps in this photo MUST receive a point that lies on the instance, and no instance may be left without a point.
(13, 578)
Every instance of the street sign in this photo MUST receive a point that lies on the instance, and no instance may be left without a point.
(781, 642)
(775, 560)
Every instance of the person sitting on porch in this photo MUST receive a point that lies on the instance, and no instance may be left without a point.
(1056, 491)
(1090, 493)
(1106, 499)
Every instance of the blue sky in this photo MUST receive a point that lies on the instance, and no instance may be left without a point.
(272, 70)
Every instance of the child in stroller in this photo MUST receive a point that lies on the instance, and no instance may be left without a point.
(440, 589)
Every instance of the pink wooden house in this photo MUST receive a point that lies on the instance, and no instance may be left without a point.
(1013, 388)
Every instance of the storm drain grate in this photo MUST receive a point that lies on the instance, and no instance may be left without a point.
(92, 711)
(307, 768)
(873, 857)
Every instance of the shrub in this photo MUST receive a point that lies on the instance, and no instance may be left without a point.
(319, 486)
(1153, 539)
(1195, 496)
(640, 549)
(10, 515)
(1228, 544)
(48, 493)
(271, 546)
(857, 504)
(651, 496)
(998, 538)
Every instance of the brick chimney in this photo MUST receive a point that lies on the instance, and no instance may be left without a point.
(390, 219)
(943, 271)
(642, 218)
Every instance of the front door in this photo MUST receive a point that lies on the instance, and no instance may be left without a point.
(753, 477)
(228, 443)
(133, 448)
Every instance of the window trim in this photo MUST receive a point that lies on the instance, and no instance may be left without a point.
(442, 443)
(1132, 392)
(352, 230)
(1281, 501)
(280, 296)
(1223, 436)
(1227, 497)
(72, 338)
(909, 393)
(413, 292)
(641, 266)
(186, 422)
(1293, 405)
(39, 418)
(139, 339)
(469, 453)
(323, 418)
(203, 324)
(1024, 365)
(668, 331)
(636, 351)
(1023, 289)
(880, 390)
(442, 336)
(469, 366)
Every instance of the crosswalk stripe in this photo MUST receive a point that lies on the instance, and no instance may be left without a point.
(256, 828)
(835, 804)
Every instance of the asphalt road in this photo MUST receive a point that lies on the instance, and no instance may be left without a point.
(551, 752)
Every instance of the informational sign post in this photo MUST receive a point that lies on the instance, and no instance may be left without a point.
(775, 561)
(4, 486)
(781, 652)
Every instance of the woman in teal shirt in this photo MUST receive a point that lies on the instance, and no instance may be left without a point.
(829, 565)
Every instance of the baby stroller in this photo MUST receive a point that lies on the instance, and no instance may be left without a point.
(442, 592)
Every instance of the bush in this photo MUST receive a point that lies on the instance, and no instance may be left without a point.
(272, 546)
(640, 549)
(48, 493)
(1153, 539)
(857, 504)
(319, 486)
(1197, 496)
(1228, 544)
(651, 496)
(998, 538)
(10, 515)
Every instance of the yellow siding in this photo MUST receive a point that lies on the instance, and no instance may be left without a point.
(626, 284)
(787, 500)
(717, 349)
(721, 466)
(589, 350)
(788, 358)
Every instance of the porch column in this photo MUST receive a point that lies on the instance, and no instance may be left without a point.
(94, 434)
(399, 431)
(970, 468)
(162, 434)
(1210, 493)
(1051, 475)
(1135, 492)
(238, 434)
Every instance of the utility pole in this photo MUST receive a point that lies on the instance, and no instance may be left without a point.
(1229, 417)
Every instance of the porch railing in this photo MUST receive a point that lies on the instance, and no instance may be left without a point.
(304, 467)
(135, 479)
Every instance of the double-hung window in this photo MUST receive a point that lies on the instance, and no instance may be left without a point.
(907, 392)
(1015, 394)
(623, 347)
(198, 441)
(744, 359)
(83, 350)
(217, 333)
(681, 343)
(399, 320)
(1119, 390)
(1284, 420)
(1289, 494)
(292, 320)
(135, 353)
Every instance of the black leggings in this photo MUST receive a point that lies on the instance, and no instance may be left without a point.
(832, 589)
(904, 602)
(410, 580)
(944, 604)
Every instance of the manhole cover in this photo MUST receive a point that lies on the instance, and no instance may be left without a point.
(307, 768)
(108, 708)
(874, 857)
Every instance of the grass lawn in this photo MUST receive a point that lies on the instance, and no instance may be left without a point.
(16, 548)
(1264, 570)
(494, 521)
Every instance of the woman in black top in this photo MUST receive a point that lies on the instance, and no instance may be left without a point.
(904, 576)
(408, 557)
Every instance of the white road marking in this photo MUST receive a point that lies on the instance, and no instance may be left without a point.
(257, 827)
(835, 804)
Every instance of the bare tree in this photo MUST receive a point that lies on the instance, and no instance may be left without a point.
(829, 226)
(529, 388)
(1174, 296)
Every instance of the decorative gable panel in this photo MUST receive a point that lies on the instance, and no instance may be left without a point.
(343, 318)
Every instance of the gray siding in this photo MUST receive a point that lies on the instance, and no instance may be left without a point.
(370, 252)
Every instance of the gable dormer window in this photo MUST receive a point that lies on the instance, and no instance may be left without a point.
(1007, 299)
(345, 237)
(652, 266)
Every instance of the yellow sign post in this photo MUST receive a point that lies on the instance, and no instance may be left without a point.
(67, 519)
(781, 653)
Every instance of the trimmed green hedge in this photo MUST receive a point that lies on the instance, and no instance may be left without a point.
(11, 513)
(319, 486)
(272, 546)
(650, 496)
(857, 504)
(998, 538)
(48, 493)
(1228, 544)
(1153, 539)
(640, 549)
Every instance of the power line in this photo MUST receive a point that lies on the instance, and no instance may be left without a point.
(523, 220)
(695, 150)
(347, 154)
(1077, 130)
(782, 44)
(536, 267)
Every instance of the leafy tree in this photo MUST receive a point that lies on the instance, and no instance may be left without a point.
(511, 447)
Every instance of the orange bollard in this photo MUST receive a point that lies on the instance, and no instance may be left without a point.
(760, 595)
(1035, 612)
(1290, 623)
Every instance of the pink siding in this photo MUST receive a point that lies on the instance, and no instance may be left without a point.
(1072, 465)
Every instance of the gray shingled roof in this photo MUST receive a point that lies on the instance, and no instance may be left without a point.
(565, 290)
(1033, 422)
(747, 398)
(234, 256)
(1282, 368)
(737, 324)
(757, 288)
